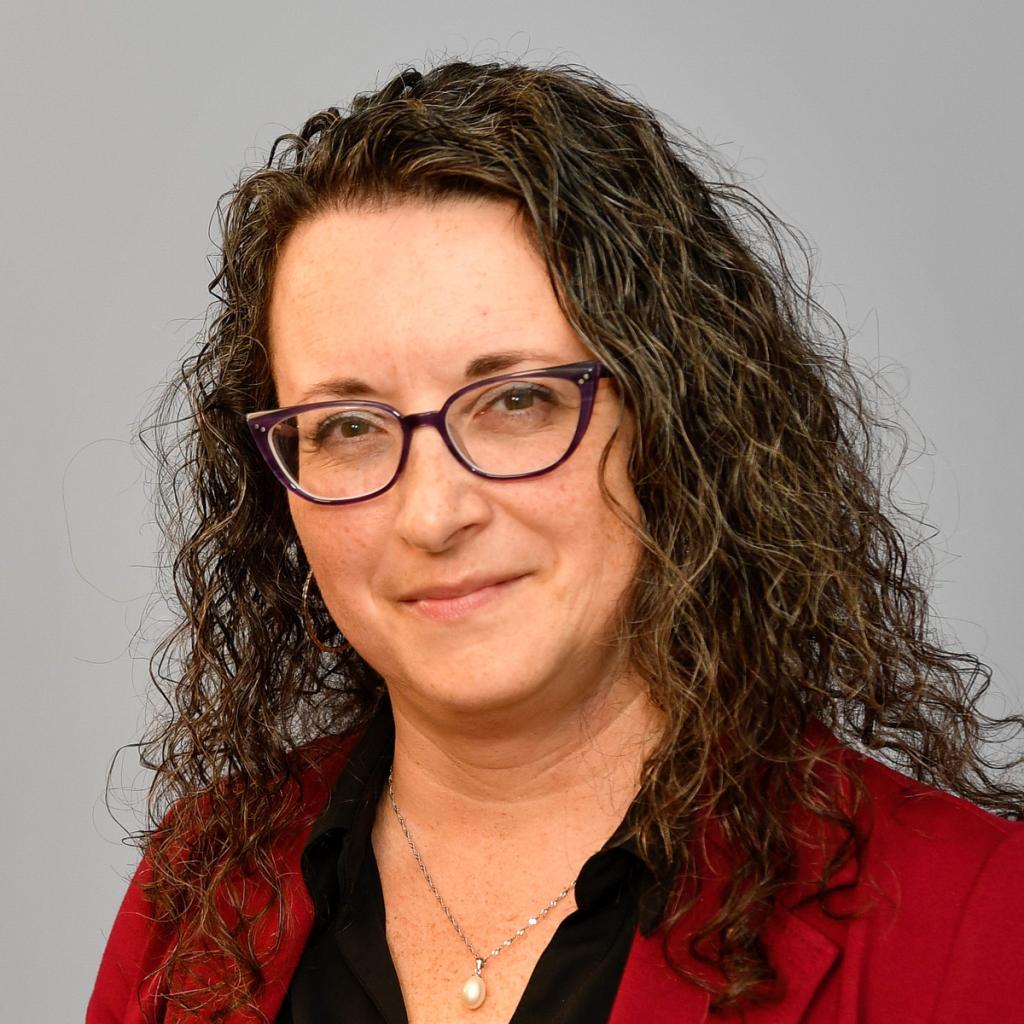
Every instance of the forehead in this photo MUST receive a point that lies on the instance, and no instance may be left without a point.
(410, 294)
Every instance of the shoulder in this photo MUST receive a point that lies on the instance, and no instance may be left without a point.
(917, 825)
(932, 849)
(908, 822)
(941, 935)
(139, 941)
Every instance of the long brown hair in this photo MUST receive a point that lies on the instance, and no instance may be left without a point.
(777, 582)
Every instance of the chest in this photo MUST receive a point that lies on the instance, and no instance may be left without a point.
(433, 963)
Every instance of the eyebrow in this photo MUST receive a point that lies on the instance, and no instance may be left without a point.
(481, 366)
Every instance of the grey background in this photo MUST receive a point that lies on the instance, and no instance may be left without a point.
(889, 132)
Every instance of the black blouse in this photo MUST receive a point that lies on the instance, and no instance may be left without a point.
(346, 973)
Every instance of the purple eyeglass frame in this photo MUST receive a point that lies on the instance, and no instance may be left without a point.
(587, 376)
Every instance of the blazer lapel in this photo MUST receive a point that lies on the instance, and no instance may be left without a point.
(803, 956)
(279, 942)
(652, 993)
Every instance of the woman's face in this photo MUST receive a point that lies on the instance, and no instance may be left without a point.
(402, 300)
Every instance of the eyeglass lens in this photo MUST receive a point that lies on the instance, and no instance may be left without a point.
(507, 428)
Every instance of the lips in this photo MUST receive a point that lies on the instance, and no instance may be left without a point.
(454, 601)
(446, 592)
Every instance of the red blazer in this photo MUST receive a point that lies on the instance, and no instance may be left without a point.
(945, 944)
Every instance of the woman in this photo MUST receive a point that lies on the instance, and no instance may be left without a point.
(533, 572)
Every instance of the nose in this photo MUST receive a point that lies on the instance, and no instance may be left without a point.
(439, 501)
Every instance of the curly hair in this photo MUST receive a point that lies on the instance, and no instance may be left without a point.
(776, 584)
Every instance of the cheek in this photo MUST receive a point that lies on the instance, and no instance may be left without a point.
(623, 500)
(341, 545)
(604, 548)
(618, 542)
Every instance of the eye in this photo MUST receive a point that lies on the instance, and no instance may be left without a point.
(347, 427)
(518, 398)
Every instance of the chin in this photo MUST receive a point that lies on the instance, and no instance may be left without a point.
(461, 689)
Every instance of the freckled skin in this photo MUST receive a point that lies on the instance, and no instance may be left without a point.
(519, 735)
(403, 298)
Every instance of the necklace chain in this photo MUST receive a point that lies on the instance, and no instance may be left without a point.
(518, 934)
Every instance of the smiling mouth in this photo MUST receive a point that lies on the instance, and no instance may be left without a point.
(450, 609)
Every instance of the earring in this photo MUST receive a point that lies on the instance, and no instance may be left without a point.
(308, 621)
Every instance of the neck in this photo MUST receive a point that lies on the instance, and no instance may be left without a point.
(507, 773)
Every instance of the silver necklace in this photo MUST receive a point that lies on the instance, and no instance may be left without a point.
(474, 991)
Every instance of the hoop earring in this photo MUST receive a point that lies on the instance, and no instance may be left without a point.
(308, 621)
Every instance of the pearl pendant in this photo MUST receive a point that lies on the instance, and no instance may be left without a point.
(474, 992)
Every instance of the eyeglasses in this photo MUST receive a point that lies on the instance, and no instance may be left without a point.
(503, 428)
